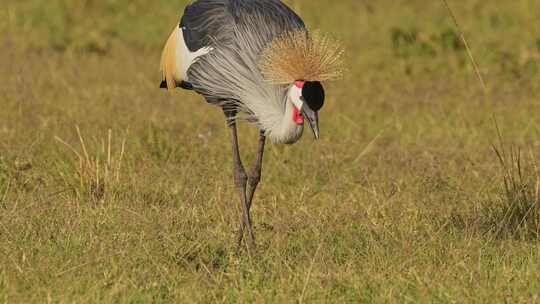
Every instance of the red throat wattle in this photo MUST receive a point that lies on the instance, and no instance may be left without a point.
(298, 117)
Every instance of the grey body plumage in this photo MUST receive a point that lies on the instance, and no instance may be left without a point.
(256, 60)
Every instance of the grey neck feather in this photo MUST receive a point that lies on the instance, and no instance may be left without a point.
(287, 131)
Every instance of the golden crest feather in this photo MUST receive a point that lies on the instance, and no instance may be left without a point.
(301, 56)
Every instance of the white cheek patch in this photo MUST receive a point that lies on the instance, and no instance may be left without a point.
(295, 94)
(185, 57)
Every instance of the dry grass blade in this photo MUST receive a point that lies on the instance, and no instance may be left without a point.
(109, 140)
(119, 165)
(4, 196)
(465, 42)
(69, 146)
(83, 145)
(369, 146)
(308, 276)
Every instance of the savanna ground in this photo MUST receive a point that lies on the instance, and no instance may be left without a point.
(402, 200)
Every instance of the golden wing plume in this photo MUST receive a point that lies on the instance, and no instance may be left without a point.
(168, 61)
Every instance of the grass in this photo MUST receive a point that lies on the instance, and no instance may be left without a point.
(519, 215)
(402, 200)
(94, 177)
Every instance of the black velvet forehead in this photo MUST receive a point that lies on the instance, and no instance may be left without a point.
(313, 94)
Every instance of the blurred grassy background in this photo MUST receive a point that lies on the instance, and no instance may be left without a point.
(402, 200)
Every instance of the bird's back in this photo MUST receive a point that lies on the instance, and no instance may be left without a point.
(207, 22)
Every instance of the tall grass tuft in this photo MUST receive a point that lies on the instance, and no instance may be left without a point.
(96, 173)
(519, 216)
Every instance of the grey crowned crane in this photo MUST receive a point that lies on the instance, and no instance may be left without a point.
(257, 61)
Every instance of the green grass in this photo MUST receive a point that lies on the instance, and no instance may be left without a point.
(402, 200)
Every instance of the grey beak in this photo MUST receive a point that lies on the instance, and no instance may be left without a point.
(313, 120)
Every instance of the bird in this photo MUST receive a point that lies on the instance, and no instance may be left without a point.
(258, 62)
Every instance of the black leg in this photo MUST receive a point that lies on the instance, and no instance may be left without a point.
(253, 181)
(240, 179)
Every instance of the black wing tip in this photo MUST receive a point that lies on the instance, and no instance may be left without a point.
(184, 85)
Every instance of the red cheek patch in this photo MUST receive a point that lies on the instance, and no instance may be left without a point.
(298, 117)
(299, 84)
